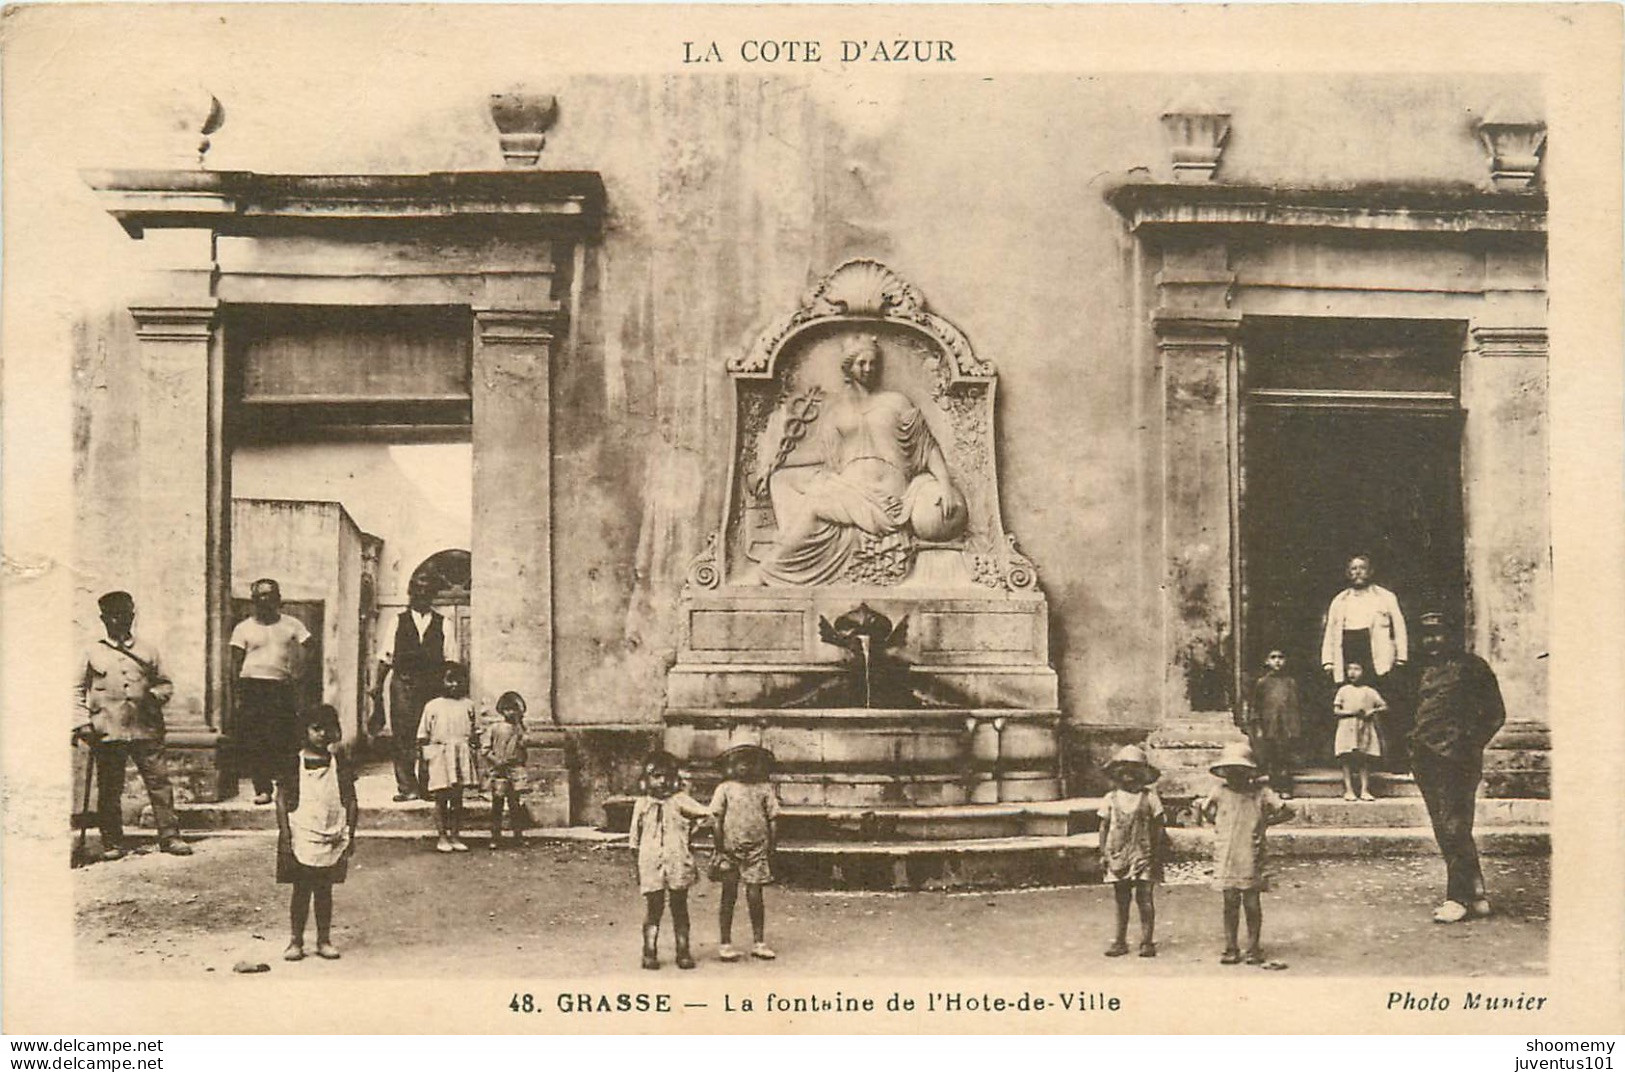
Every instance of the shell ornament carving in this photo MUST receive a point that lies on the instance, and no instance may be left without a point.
(863, 288)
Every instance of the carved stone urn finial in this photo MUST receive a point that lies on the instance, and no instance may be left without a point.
(1515, 148)
(522, 119)
(191, 114)
(1198, 134)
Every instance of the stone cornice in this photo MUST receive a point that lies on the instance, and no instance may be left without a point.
(174, 323)
(515, 327)
(1162, 208)
(246, 202)
(1511, 341)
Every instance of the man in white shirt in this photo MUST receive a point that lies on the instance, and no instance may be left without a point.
(1363, 625)
(412, 653)
(268, 651)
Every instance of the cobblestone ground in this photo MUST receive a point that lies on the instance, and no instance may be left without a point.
(572, 910)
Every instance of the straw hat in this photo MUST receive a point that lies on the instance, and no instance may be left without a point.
(746, 752)
(1133, 753)
(1239, 754)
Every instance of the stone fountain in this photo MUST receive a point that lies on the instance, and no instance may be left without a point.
(861, 610)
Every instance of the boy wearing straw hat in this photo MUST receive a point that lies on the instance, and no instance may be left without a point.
(1241, 809)
(1131, 821)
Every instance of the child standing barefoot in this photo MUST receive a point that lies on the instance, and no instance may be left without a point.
(505, 759)
(744, 810)
(662, 821)
(1131, 820)
(446, 734)
(316, 817)
(1357, 706)
(1240, 810)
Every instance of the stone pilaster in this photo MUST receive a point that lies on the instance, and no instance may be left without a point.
(513, 582)
(180, 532)
(1195, 334)
(179, 542)
(1505, 460)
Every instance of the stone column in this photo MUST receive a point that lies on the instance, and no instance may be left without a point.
(512, 611)
(178, 537)
(1504, 462)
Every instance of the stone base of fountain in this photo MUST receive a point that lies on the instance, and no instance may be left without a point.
(962, 741)
(864, 758)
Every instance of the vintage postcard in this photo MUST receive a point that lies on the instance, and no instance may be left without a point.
(812, 519)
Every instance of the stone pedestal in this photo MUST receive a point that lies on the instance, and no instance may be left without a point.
(547, 797)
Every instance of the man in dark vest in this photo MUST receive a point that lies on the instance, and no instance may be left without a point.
(410, 659)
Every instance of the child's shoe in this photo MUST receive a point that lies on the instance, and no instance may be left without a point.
(651, 942)
(761, 952)
(1148, 949)
(685, 959)
(1117, 949)
(326, 951)
(1255, 955)
(443, 845)
(1231, 956)
(459, 845)
(295, 951)
(1450, 912)
(1367, 796)
(728, 953)
(1481, 908)
(1350, 795)
(495, 843)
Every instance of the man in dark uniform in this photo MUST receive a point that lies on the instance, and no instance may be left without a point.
(120, 697)
(1458, 710)
(410, 660)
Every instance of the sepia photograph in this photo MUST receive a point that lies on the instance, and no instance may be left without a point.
(809, 520)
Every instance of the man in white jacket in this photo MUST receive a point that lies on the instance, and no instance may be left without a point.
(1364, 625)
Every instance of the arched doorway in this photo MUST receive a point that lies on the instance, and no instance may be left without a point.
(450, 576)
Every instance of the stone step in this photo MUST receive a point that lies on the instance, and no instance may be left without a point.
(1410, 811)
(1321, 782)
(848, 825)
(1289, 839)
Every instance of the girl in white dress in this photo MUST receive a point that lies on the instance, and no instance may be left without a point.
(446, 735)
(316, 818)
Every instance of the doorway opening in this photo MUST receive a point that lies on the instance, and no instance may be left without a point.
(350, 464)
(1350, 444)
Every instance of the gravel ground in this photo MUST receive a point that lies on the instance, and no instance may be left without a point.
(572, 910)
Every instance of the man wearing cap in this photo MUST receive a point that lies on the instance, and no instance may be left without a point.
(1458, 710)
(120, 697)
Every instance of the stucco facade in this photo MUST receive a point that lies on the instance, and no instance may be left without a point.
(1038, 213)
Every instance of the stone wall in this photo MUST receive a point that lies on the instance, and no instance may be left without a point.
(728, 194)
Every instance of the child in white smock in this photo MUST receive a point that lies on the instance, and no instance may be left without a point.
(316, 819)
(663, 820)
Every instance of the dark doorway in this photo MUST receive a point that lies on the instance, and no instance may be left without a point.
(1322, 484)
